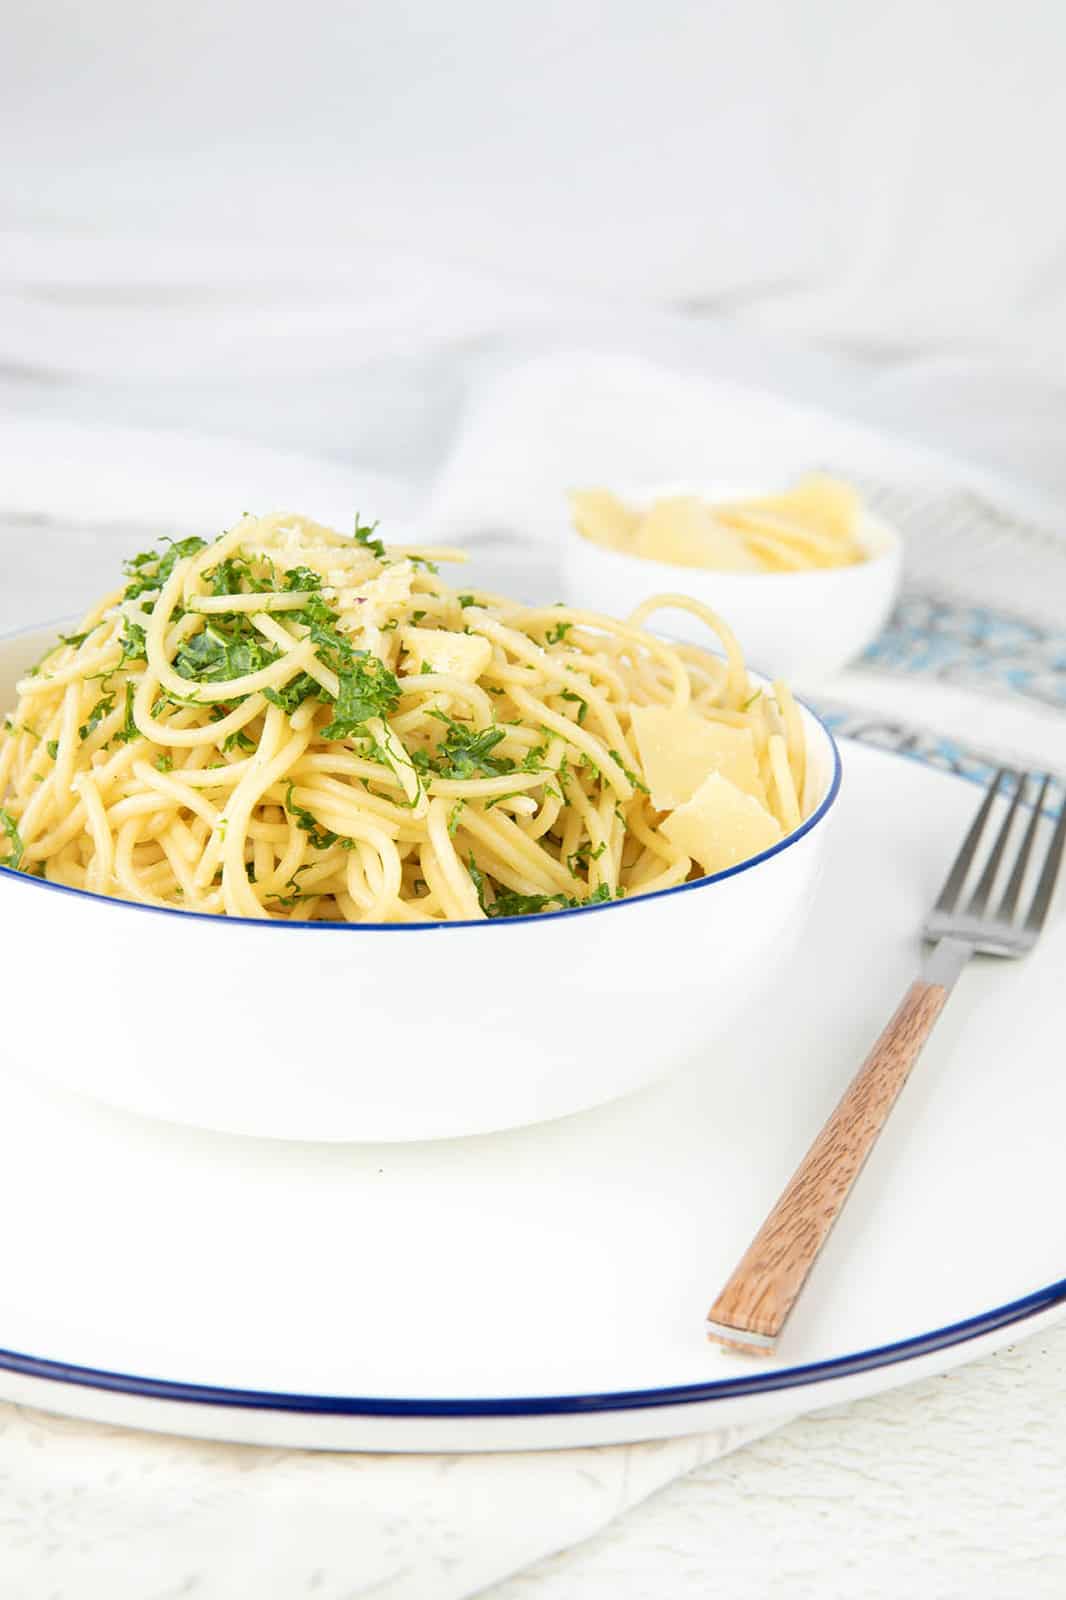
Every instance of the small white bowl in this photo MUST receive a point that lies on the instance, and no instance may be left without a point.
(802, 626)
(392, 1032)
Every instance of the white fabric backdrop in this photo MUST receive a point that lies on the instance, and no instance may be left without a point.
(318, 227)
(881, 176)
(834, 167)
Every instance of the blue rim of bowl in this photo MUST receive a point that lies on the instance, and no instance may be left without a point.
(439, 928)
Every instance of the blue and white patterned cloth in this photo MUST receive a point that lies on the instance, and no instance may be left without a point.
(974, 647)
(948, 630)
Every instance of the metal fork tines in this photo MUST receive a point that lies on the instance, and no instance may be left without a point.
(999, 927)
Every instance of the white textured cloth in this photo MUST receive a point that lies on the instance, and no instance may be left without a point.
(99, 1512)
(950, 1489)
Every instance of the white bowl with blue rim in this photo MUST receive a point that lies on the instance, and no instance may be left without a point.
(393, 1032)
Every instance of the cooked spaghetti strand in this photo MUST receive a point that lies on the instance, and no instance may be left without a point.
(291, 722)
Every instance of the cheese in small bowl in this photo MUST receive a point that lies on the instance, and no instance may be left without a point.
(807, 574)
(815, 524)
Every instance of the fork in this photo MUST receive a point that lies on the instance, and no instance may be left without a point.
(751, 1310)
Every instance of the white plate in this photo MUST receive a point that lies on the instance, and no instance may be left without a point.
(547, 1287)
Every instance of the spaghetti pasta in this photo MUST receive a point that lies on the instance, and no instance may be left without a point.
(293, 723)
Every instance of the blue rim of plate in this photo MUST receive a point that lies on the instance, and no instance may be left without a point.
(780, 1379)
(783, 1378)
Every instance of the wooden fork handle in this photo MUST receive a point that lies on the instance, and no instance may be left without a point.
(751, 1310)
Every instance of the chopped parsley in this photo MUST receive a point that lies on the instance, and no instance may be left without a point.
(289, 900)
(365, 537)
(373, 751)
(229, 646)
(164, 763)
(509, 904)
(467, 600)
(228, 577)
(129, 730)
(453, 816)
(497, 799)
(367, 689)
(302, 578)
(237, 741)
(568, 694)
(506, 903)
(103, 708)
(134, 645)
(466, 752)
(297, 895)
(150, 570)
(53, 748)
(318, 837)
(14, 856)
(295, 692)
(558, 633)
(234, 575)
(584, 854)
(75, 640)
(333, 648)
(637, 783)
(750, 701)
(221, 651)
(533, 760)
(477, 877)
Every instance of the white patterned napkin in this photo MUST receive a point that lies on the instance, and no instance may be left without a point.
(106, 1514)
